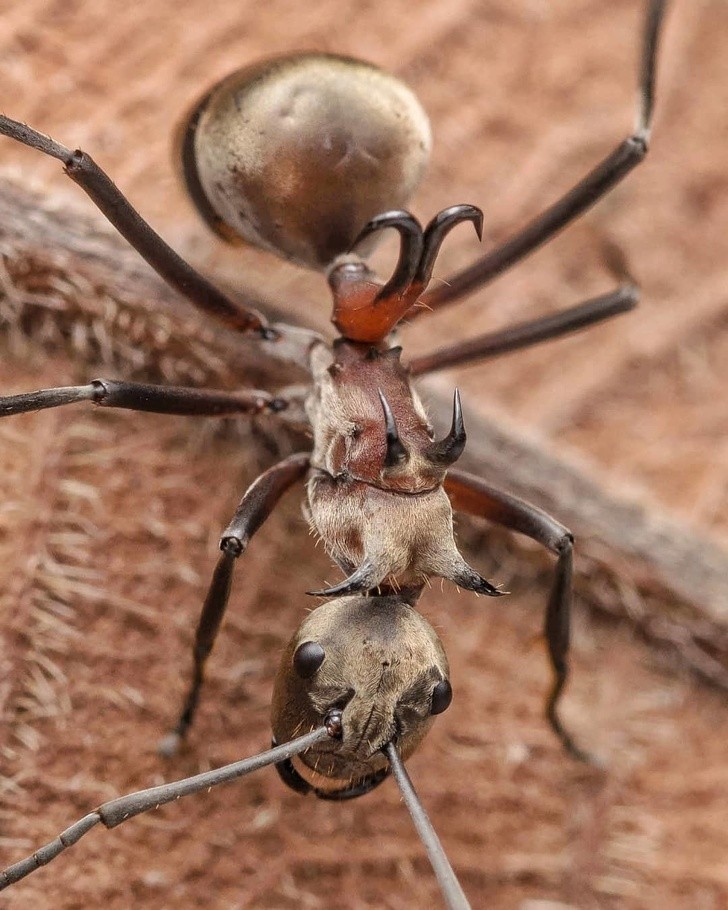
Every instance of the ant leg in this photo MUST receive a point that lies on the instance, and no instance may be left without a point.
(137, 396)
(256, 505)
(84, 171)
(475, 497)
(525, 334)
(626, 156)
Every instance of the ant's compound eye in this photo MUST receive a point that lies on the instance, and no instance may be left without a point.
(441, 697)
(308, 658)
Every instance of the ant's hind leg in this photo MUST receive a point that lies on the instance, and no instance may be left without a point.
(623, 159)
(473, 496)
(256, 505)
(84, 171)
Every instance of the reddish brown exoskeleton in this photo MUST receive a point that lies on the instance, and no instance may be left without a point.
(301, 155)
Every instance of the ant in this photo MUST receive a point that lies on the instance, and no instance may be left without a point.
(295, 154)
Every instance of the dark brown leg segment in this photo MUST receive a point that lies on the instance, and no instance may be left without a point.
(256, 505)
(84, 171)
(524, 334)
(626, 156)
(137, 396)
(473, 496)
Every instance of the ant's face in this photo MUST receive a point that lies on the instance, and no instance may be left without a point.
(377, 662)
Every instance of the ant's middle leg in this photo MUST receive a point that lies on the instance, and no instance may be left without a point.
(137, 396)
(256, 505)
(473, 496)
(179, 274)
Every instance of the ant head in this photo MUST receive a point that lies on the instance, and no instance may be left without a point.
(375, 666)
(296, 153)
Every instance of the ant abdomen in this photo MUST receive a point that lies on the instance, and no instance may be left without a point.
(297, 153)
(376, 668)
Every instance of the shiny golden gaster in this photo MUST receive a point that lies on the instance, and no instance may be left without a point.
(295, 153)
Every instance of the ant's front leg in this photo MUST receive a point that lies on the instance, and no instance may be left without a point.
(256, 505)
(473, 496)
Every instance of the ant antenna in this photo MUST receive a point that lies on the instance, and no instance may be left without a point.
(119, 810)
(449, 885)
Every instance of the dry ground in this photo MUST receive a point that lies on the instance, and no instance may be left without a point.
(108, 522)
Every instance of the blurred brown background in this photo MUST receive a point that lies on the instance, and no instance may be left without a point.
(105, 576)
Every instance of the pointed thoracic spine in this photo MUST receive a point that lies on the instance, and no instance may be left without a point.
(396, 453)
(375, 494)
(447, 451)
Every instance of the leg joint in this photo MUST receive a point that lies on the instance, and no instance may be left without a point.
(639, 143)
(232, 546)
(76, 162)
(100, 390)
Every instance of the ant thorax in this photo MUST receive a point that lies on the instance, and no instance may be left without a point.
(375, 493)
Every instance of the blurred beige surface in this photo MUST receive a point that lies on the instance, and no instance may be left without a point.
(524, 97)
